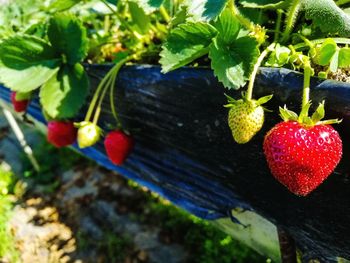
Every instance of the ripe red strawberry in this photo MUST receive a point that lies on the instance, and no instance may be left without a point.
(302, 156)
(118, 146)
(19, 105)
(61, 133)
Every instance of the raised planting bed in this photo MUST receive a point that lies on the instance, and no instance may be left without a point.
(184, 151)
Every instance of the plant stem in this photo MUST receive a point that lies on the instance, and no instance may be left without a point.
(243, 20)
(278, 25)
(338, 40)
(255, 70)
(342, 2)
(96, 95)
(164, 14)
(108, 6)
(291, 16)
(112, 105)
(306, 87)
(98, 108)
(121, 20)
(111, 76)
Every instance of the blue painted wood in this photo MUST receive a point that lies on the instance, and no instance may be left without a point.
(185, 152)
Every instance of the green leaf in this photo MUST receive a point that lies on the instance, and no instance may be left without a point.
(228, 27)
(149, 6)
(344, 57)
(263, 4)
(68, 36)
(319, 113)
(326, 15)
(62, 5)
(64, 94)
(186, 43)
(279, 57)
(326, 52)
(333, 66)
(26, 62)
(232, 64)
(179, 17)
(140, 21)
(204, 10)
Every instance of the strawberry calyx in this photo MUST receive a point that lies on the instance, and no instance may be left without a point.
(255, 103)
(304, 118)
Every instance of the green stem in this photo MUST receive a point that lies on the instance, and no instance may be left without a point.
(306, 87)
(96, 95)
(103, 94)
(278, 25)
(342, 2)
(111, 76)
(121, 20)
(243, 20)
(255, 70)
(291, 16)
(111, 101)
(338, 40)
(108, 6)
(164, 14)
(107, 24)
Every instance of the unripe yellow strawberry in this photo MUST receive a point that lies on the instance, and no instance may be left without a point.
(88, 134)
(245, 118)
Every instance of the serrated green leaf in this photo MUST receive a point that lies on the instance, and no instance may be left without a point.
(64, 94)
(233, 64)
(140, 21)
(179, 17)
(149, 6)
(186, 43)
(319, 113)
(68, 36)
(26, 62)
(263, 4)
(288, 115)
(204, 10)
(62, 5)
(333, 66)
(326, 52)
(326, 15)
(344, 57)
(228, 27)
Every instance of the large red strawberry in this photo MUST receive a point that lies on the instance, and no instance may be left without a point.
(61, 133)
(118, 146)
(302, 151)
(20, 103)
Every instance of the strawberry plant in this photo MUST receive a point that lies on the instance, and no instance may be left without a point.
(44, 53)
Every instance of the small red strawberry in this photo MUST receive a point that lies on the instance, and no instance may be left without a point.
(19, 102)
(61, 133)
(302, 151)
(118, 146)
